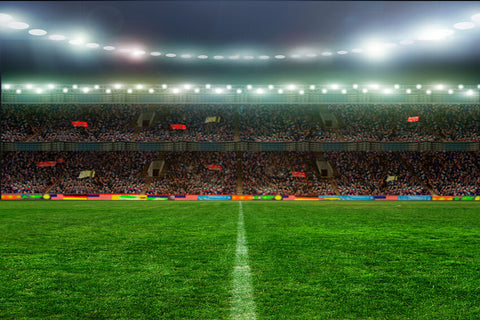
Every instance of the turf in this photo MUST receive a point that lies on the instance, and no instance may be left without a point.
(174, 260)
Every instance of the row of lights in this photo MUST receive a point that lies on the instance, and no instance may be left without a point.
(220, 90)
(373, 48)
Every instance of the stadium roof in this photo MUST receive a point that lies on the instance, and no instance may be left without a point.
(240, 42)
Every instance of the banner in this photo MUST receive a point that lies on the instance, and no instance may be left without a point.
(329, 198)
(263, 197)
(306, 198)
(357, 198)
(178, 126)
(386, 198)
(214, 197)
(155, 197)
(47, 164)
(80, 124)
(413, 119)
(87, 174)
(214, 167)
(392, 178)
(416, 198)
(212, 119)
(442, 198)
(11, 196)
(298, 174)
(242, 198)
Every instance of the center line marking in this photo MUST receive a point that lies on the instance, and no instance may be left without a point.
(243, 305)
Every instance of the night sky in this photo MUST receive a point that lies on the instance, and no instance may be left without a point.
(230, 27)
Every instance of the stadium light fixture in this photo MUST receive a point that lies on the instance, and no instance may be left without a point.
(164, 86)
(155, 53)
(476, 17)
(324, 90)
(470, 93)
(270, 87)
(76, 42)
(249, 87)
(434, 34)
(108, 91)
(171, 55)
(65, 90)
(208, 86)
(464, 25)
(312, 87)
(5, 18)
(86, 90)
(229, 87)
(301, 92)
(408, 91)
(355, 86)
(19, 91)
(187, 86)
(357, 50)
(117, 86)
(478, 86)
(439, 87)
(129, 91)
(397, 86)
(259, 91)
(6, 86)
(92, 45)
(264, 57)
(18, 25)
(196, 90)
(291, 87)
(96, 87)
(429, 92)
(342, 52)
(248, 57)
(186, 56)
(37, 32)
(365, 90)
(460, 86)
(218, 57)
(139, 86)
(218, 90)
(279, 56)
(419, 86)
(29, 86)
(344, 91)
(450, 91)
(311, 55)
(202, 56)
(151, 90)
(108, 48)
(334, 86)
(387, 91)
(280, 91)
(239, 91)
(236, 57)
(176, 91)
(39, 91)
(51, 86)
(75, 86)
(326, 53)
(295, 56)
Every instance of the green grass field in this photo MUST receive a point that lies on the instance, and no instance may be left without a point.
(176, 260)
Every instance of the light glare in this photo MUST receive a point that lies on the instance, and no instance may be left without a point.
(56, 37)
(108, 48)
(37, 32)
(18, 25)
(464, 25)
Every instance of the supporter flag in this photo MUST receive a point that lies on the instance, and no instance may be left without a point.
(392, 178)
(413, 119)
(298, 174)
(79, 124)
(47, 164)
(212, 119)
(178, 126)
(87, 174)
(214, 167)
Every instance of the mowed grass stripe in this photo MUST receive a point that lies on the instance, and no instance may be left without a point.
(243, 304)
(116, 260)
(359, 260)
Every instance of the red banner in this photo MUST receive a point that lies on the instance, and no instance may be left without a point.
(298, 174)
(79, 124)
(413, 119)
(214, 167)
(178, 126)
(47, 164)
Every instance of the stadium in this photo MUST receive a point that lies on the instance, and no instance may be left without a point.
(281, 160)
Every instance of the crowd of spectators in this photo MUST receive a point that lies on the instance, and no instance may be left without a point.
(447, 173)
(195, 118)
(366, 173)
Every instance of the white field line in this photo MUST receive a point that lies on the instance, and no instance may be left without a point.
(243, 305)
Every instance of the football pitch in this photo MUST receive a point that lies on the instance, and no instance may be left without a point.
(239, 260)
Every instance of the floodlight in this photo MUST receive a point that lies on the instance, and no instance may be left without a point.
(259, 91)
(197, 90)
(409, 91)
(280, 91)
(129, 91)
(470, 93)
(450, 91)
(29, 86)
(312, 87)
(139, 86)
(96, 86)
(434, 34)
(229, 87)
(397, 86)
(365, 90)
(295, 56)
(117, 86)
(342, 52)
(37, 32)
(4, 18)
(326, 53)
(439, 87)
(75, 86)
(202, 56)
(239, 90)
(355, 86)
(164, 86)
(56, 37)
(387, 91)
(108, 48)
(311, 55)
(171, 55)
(357, 50)
(279, 56)
(6, 86)
(249, 87)
(429, 91)
(92, 45)
(264, 57)
(344, 91)
(460, 86)
(155, 53)
(18, 25)
(301, 92)
(124, 50)
(86, 90)
(248, 57)
(187, 86)
(464, 25)
(476, 17)
(208, 86)
(138, 53)
(19, 91)
(218, 57)
(291, 87)
(218, 90)
(39, 90)
(334, 86)
(419, 86)
(186, 56)
(76, 42)
(175, 90)
(270, 86)
(65, 90)
(151, 91)
(324, 90)
(234, 57)
(108, 91)
(51, 86)
(478, 86)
